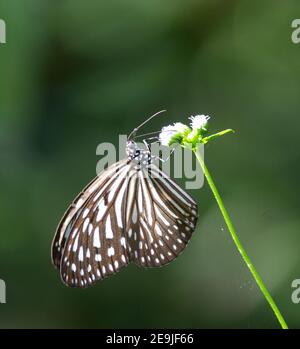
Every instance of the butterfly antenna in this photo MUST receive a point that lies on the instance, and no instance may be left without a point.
(132, 134)
(148, 134)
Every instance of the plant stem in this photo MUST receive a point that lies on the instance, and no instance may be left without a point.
(211, 137)
(238, 243)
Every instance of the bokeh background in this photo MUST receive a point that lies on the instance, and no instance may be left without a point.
(76, 73)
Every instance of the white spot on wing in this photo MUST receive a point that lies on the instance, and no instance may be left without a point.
(110, 251)
(85, 213)
(80, 255)
(75, 244)
(101, 210)
(88, 254)
(79, 203)
(90, 228)
(134, 214)
(123, 241)
(118, 206)
(85, 224)
(157, 229)
(147, 199)
(161, 216)
(108, 231)
(96, 241)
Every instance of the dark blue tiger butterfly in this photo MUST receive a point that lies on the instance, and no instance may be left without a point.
(131, 212)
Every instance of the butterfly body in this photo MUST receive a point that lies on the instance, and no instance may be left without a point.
(139, 156)
(131, 212)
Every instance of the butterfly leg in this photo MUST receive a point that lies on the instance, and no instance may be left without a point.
(154, 156)
(148, 144)
(165, 160)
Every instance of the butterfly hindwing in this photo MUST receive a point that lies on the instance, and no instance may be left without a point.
(167, 217)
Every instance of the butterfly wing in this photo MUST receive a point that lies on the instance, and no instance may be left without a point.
(77, 206)
(89, 239)
(163, 219)
(124, 215)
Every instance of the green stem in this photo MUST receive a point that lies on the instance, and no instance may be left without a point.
(211, 137)
(238, 243)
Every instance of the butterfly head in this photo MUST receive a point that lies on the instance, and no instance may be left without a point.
(135, 153)
(139, 155)
(131, 148)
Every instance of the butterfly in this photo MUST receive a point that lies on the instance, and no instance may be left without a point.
(131, 212)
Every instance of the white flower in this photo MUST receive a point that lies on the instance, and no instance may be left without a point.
(168, 133)
(199, 121)
(179, 127)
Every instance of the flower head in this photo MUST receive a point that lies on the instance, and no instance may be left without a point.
(189, 136)
(199, 122)
(172, 133)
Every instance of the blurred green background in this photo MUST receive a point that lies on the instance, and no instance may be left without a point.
(76, 73)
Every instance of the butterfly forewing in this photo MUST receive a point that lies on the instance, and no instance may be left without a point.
(67, 222)
(84, 208)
